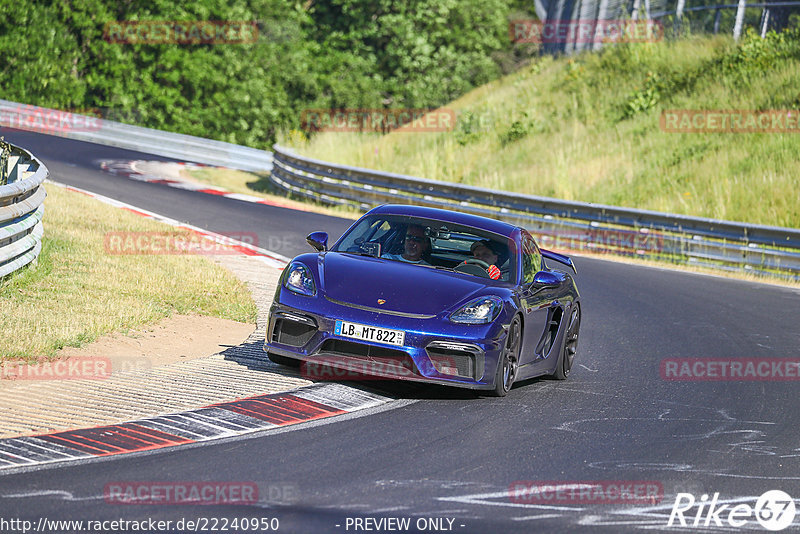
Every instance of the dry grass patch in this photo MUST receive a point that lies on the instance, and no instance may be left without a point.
(79, 291)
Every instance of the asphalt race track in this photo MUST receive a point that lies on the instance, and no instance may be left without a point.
(438, 454)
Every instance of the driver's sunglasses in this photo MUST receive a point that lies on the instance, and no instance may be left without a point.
(416, 238)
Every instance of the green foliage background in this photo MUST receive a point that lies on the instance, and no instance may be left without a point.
(316, 54)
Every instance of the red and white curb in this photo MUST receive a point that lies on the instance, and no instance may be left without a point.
(136, 170)
(226, 419)
(222, 420)
(273, 259)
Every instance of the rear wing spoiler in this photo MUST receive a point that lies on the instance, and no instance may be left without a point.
(560, 258)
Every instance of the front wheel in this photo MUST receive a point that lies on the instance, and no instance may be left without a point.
(509, 360)
(570, 346)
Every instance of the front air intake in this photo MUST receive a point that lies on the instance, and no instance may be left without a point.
(456, 359)
(293, 330)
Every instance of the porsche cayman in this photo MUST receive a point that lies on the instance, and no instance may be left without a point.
(429, 295)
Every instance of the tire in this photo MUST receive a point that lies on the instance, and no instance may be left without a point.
(283, 360)
(507, 366)
(570, 345)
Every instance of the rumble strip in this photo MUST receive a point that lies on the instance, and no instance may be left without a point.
(226, 419)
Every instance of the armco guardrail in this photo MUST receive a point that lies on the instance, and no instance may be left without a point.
(21, 209)
(147, 140)
(559, 224)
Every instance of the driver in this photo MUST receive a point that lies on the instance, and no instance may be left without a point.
(489, 251)
(415, 245)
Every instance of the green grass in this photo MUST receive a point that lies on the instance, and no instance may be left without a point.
(78, 291)
(587, 128)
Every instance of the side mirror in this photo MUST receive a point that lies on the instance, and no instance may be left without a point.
(318, 240)
(544, 279)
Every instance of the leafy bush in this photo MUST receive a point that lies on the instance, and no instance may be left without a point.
(646, 97)
(517, 130)
(755, 54)
(332, 54)
(469, 128)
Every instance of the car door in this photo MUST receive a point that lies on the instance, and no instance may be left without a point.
(537, 305)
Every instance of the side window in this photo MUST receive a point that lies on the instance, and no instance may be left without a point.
(380, 230)
(531, 259)
(367, 230)
(537, 257)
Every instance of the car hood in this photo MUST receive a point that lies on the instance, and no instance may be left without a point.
(405, 288)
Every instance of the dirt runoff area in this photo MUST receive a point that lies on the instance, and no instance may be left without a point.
(174, 339)
(181, 363)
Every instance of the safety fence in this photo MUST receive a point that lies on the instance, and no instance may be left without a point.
(21, 207)
(558, 224)
(676, 18)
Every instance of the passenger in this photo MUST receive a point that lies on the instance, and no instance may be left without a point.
(492, 253)
(415, 246)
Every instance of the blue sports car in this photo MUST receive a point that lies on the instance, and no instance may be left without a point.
(428, 295)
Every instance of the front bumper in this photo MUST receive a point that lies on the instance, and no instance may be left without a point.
(434, 351)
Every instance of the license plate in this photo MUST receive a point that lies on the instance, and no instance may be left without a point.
(370, 333)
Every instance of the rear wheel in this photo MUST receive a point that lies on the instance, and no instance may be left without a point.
(570, 346)
(509, 359)
(283, 360)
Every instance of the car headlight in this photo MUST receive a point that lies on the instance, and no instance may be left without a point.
(299, 280)
(482, 310)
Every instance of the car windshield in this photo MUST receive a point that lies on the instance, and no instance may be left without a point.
(430, 243)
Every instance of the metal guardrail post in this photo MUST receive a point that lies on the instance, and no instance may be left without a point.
(5, 152)
(679, 9)
(764, 22)
(737, 27)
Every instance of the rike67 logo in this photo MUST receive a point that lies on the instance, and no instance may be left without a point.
(774, 510)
